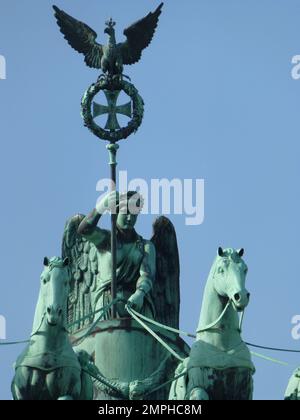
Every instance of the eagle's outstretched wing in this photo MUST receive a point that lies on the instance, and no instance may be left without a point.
(81, 37)
(139, 36)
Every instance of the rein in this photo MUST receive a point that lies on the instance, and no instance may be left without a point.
(212, 324)
(138, 317)
(41, 323)
(160, 340)
(102, 310)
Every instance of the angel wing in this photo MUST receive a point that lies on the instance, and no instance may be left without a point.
(166, 290)
(81, 37)
(139, 36)
(83, 259)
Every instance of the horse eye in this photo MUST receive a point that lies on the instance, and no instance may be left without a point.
(221, 270)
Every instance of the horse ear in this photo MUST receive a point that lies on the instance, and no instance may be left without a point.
(66, 261)
(240, 252)
(46, 261)
(220, 252)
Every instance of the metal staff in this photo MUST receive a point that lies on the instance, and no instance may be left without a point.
(112, 109)
(112, 149)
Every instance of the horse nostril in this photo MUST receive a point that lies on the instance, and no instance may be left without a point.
(237, 297)
(59, 312)
(48, 310)
(248, 296)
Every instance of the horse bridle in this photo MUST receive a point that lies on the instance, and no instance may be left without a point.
(220, 317)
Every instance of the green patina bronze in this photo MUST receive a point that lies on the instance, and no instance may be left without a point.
(112, 109)
(293, 389)
(147, 277)
(48, 368)
(147, 270)
(90, 110)
(219, 366)
(89, 298)
(109, 58)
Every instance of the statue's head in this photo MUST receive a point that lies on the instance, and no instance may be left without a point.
(128, 208)
(109, 30)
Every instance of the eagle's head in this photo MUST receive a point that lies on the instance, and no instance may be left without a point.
(110, 27)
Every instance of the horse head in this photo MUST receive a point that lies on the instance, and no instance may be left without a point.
(49, 356)
(55, 283)
(219, 356)
(229, 277)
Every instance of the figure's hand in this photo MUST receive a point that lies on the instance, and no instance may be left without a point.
(108, 202)
(136, 300)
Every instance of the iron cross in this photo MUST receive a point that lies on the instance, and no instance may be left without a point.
(112, 109)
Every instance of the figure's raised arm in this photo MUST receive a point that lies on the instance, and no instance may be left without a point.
(88, 227)
(89, 230)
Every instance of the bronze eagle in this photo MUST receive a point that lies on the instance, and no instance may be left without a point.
(111, 57)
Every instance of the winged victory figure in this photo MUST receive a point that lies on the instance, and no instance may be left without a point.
(112, 57)
(89, 261)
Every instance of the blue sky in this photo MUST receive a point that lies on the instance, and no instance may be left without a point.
(221, 105)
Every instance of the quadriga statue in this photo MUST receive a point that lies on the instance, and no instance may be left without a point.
(219, 366)
(48, 368)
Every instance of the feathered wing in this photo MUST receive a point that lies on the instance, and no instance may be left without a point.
(139, 36)
(81, 37)
(166, 289)
(83, 259)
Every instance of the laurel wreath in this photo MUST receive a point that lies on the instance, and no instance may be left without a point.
(137, 114)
